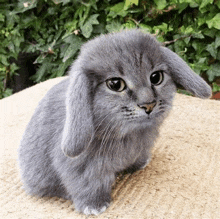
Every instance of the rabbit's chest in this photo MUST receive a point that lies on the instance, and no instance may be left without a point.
(126, 155)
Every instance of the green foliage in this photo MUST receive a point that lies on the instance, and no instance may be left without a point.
(56, 29)
(216, 88)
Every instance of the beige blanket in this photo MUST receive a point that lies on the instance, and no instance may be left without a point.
(182, 180)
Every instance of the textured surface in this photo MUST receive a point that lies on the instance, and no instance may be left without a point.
(182, 180)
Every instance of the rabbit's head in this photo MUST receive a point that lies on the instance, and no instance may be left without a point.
(121, 83)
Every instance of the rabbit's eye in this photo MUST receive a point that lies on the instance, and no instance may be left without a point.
(156, 78)
(116, 84)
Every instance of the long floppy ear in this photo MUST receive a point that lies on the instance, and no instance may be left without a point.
(183, 75)
(78, 127)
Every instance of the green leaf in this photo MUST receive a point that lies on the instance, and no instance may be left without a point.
(201, 20)
(66, 1)
(84, 15)
(200, 65)
(212, 50)
(204, 3)
(128, 3)
(72, 48)
(181, 6)
(40, 59)
(187, 40)
(217, 41)
(25, 5)
(215, 87)
(12, 18)
(161, 4)
(185, 1)
(214, 71)
(210, 32)
(18, 40)
(2, 18)
(7, 92)
(214, 22)
(11, 47)
(218, 4)
(62, 67)
(41, 72)
(71, 25)
(202, 60)
(146, 28)
(114, 26)
(164, 28)
(193, 4)
(31, 20)
(187, 30)
(87, 27)
(179, 46)
(3, 60)
(129, 25)
(118, 10)
(198, 35)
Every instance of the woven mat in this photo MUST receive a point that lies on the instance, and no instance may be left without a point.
(182, 180)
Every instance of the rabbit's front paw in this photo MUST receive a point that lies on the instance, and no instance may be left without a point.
(145, 163)
(138, 165)
(88, 210)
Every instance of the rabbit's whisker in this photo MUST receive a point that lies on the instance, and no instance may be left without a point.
(112, 133)
(95, 132)
(108, 131)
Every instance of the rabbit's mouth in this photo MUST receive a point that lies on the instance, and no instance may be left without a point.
(139, 119)
(138, 115)
(135, 122)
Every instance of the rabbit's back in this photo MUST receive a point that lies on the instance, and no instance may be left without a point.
(41, 138)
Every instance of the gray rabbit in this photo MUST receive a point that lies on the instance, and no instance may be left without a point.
(102, 119)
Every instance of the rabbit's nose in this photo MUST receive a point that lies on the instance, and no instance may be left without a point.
(148, 107)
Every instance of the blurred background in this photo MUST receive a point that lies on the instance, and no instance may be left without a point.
(39, 39)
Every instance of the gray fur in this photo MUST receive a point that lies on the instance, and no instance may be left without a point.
(82, 133)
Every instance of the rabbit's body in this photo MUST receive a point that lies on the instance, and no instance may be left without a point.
(48, 118)
(103, 119)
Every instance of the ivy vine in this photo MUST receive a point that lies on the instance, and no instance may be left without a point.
(54, 30)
